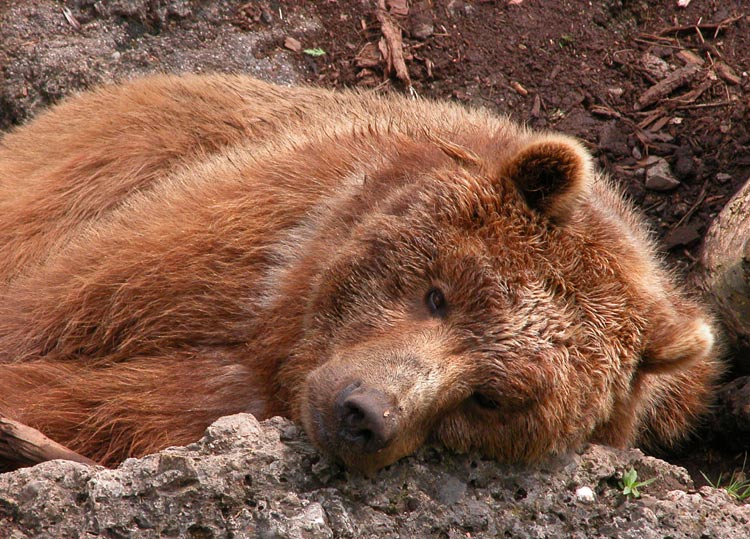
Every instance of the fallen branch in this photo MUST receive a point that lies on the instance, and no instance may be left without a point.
(21, 445)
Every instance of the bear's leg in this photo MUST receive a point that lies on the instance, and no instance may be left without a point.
(109, 412)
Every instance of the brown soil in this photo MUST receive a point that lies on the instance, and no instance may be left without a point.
(581, 68)
(576, 67)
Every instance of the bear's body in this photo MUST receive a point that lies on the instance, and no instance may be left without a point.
(385, 271)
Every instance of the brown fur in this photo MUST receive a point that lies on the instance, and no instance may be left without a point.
(175, 249)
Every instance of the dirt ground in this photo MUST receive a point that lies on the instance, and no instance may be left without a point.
(640, 82)
(579, 67)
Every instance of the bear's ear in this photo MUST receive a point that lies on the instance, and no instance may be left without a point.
(553, 174)
(675, 342)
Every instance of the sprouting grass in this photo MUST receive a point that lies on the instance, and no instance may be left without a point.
(737, 486)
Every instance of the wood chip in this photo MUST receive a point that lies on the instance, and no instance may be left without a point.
(692, 95)
(658, 124)
(72, 21)
(689, 57)
(715, 28)
(536, 109)
(368, 57)
(663, 88)
(603, 110)
(398, 7)
(726, 73)
(518, 88)
(292, 44)
(429, 64)
(391, 45)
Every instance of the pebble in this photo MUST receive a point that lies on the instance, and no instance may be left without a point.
(585, 495)
(723, 177)
(659, 177)
(683, 235)
(684, 166)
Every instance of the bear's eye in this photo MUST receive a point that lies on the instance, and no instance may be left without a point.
(435, 301)
(483, 401)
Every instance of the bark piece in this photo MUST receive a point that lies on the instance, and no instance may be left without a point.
(21, 445)
(725, 272)
(663, 88)
(391, 45)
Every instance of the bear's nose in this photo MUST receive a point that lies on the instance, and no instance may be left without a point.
(367, 418)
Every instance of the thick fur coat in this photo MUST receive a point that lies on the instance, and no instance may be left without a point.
(385, 271)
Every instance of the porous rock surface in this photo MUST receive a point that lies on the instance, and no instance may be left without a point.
(248, 479)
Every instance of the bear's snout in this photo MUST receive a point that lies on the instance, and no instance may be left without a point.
(366, 418)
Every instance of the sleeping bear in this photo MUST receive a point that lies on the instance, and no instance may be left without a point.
(385, 271)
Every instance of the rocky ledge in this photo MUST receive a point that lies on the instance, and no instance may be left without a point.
(249, 479)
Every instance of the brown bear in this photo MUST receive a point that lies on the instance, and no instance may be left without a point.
(386, 271)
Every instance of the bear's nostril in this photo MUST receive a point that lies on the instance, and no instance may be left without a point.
(366, 418)
(353, 415)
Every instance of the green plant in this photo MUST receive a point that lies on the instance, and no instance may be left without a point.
(738, 486)
(314, 52)
(566, 41)
(630, 484)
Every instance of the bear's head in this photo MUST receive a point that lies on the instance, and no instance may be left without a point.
(510, 305)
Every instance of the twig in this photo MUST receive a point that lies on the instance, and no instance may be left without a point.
(715, 27)
(704, 105)
(694, 207)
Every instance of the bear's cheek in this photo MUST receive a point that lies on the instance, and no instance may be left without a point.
(513, 415)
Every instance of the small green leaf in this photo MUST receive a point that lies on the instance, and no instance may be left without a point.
(629, 477)
(647, 482)
(314, 52)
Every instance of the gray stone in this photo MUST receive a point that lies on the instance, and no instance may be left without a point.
(659, 177)
(248, 479)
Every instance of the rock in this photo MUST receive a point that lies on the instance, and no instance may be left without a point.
(422, 22)
(655, 66)
(613, 139)
(585, 495)
(659, 177)
(732, 425)
(684, 165)
(723, 177)
(682, 235)
(250, 479)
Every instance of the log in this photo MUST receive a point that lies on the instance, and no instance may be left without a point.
(21, 446)
(724, 273)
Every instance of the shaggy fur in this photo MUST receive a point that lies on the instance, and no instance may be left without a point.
(175, 249)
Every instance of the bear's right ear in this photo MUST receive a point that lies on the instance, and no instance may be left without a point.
(553, 174)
